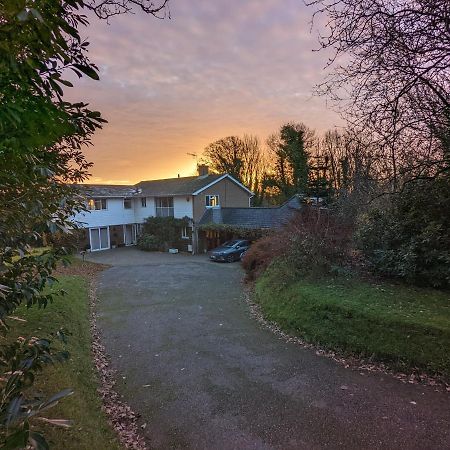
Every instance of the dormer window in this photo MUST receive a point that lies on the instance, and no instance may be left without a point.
(95, 204)
(212, 201)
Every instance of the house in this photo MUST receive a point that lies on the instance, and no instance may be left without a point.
(115, 214)
(220, 224)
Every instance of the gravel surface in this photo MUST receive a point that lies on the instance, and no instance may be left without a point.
(203, 374)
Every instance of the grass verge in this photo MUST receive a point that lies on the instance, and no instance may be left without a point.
(407, 327)
(91, 429)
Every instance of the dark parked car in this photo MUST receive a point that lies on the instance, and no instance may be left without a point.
(230, 251)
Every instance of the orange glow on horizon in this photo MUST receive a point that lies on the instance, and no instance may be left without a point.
(171, 87)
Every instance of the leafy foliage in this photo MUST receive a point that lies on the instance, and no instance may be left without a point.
(41, 138)
(149, 243)
(71, 241)
(161, 233)
(409, 237)
(315, 242)
(290, 148)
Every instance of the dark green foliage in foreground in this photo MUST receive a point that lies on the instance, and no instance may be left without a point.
(89, 429)
(41, 141)
(161, 233)
(410, 237)
(404, 326)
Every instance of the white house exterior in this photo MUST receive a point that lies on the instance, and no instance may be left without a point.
(115, 213)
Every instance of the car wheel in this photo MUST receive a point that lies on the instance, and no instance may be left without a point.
(230, 258)
(242, 254)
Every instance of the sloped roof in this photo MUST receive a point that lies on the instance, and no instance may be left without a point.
(150, 188)
(176, 186)
(252, 218)
(106, 190)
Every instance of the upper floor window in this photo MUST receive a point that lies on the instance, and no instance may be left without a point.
(127, 203)
(164, 206)
(96, 204)
(212, 200)
(144, 202)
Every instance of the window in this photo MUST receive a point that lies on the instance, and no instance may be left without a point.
(144, 202)
(127, 203)
(212, 200)
(186, 233)
(96, 204)
(164, 206)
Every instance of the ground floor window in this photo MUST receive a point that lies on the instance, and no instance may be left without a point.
(186, 233)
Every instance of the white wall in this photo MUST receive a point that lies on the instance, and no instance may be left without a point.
(181, 207)
(142, 213)
(114, 214)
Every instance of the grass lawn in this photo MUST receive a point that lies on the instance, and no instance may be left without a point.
(405, 326)
(90, 430)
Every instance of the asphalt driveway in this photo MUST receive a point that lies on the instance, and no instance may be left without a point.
(204, 375)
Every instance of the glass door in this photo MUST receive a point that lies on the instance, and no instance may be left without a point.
(99, 238)
(104, 238)
(95, 239)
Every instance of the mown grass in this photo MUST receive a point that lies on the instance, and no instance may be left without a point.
(90, 429)
(405, 326)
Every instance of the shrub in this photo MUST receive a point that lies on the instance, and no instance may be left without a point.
(262, 252)
(74, 240)
(315, 242)
(150, 243)
(163, 231)
(409, 236)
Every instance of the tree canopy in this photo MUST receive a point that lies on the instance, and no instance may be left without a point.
(390, 77)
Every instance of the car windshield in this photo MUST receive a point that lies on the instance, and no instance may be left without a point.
(230, 243)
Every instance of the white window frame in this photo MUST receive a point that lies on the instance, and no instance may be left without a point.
(131, 203)
(184, 232)
(164, 211)
(143, 202)
(97, 229)
(102, 201)
(208, 201)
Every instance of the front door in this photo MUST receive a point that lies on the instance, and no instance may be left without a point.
(99, 238)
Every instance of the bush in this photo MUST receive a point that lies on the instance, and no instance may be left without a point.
(315, 242)
(74, 240)
(262, 253)
(150, 243)
(162, 232)
(409, 236)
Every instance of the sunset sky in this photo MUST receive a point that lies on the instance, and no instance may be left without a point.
(216, 68)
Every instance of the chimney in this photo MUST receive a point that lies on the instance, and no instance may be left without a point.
(203, 170)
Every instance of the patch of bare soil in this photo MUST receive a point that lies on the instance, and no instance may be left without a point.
(121, 417)
(363, 365)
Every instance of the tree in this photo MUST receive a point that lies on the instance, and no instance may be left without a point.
(291, 149)
(407, 235)
(41, 142)
(106, 9)
(242, 158)
(391, 78)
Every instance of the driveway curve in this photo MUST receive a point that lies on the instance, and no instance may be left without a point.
(203, 375)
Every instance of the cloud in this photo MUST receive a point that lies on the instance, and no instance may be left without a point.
(169, 87)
